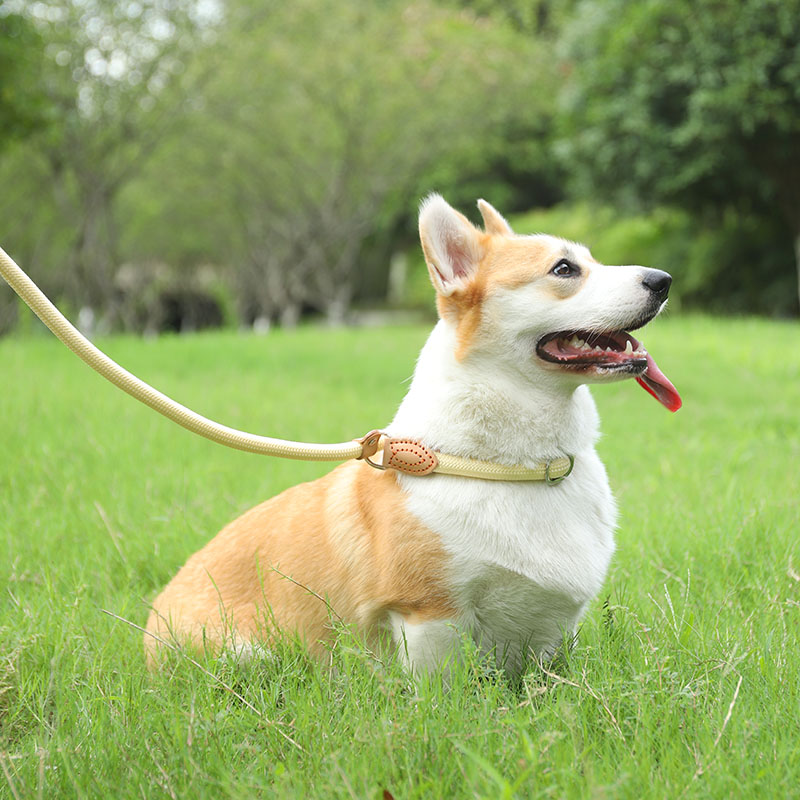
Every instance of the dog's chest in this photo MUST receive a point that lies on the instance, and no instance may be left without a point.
(525, 558)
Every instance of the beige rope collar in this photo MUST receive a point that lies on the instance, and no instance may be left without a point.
(414, 458)
(404, 455)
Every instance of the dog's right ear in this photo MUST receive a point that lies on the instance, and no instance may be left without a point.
(451, 244)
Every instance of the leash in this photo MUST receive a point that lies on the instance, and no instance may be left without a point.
(376, 448)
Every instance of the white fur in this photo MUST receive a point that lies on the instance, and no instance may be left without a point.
(425, 646)
(526, 557)
(450, 247)
(611, 298)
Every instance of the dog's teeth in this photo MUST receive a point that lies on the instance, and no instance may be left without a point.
(628, 347)
(609, 350)
(581, 343)
(598, 348)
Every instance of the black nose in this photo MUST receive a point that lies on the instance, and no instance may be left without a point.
(657, 282)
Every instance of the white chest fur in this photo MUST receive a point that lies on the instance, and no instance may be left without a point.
(526, 557)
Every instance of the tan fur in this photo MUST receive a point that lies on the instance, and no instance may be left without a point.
(345, 532)
(464, 308)
(493, 221)
(507, 263)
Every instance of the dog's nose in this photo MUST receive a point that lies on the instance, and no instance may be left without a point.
(657, 282)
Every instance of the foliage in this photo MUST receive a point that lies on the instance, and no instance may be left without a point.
(731, 265)
(684, 680)
(311, 138)
(23, 106)
(692, 103)
(107, 77)
(282, 148)
(24, 111)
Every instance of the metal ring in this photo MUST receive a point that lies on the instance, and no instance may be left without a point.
(373, 464)
(553, 481)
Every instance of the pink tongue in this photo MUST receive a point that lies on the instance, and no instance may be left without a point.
(657, 383)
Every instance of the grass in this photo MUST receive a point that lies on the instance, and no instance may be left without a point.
(684, 681)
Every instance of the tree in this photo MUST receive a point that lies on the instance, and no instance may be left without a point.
(23, 111)
(692, 103)
(23, 106)
(322, 117)
(284, 143)
(111, 81)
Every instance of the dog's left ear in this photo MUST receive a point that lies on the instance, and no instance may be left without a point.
(493, 221)
(451, 243)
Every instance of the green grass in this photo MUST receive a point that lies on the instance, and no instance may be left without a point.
(684, 680)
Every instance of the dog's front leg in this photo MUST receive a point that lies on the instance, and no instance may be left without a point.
(425, 645)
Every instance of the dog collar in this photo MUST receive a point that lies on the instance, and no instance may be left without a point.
(414, 458)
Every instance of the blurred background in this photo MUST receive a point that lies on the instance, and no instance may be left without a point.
(173, 165)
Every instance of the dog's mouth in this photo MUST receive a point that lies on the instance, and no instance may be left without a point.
(607, 353)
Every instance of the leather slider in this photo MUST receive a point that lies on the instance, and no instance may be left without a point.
(369, 444)
(409, 457)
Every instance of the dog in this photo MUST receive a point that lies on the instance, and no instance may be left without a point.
(415, 563)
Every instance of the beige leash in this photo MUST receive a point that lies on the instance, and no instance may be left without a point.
(403, 455)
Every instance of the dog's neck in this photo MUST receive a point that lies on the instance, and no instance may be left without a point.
(481, 409)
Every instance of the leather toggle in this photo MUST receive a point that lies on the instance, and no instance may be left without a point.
(370, 444)
(408, 456)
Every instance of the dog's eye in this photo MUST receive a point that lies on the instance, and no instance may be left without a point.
(566, 270)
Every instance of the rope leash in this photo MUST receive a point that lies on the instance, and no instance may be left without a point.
(403, 455)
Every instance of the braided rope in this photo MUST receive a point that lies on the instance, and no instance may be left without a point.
(151, 397)
(470, 468)
(30, 293)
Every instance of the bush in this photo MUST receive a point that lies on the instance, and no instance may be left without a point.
(740, 264)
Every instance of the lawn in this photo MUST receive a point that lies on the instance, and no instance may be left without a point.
(684, 682)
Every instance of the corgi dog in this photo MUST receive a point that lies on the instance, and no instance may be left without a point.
(415, 562)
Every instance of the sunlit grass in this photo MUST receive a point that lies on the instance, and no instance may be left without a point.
(684, 681)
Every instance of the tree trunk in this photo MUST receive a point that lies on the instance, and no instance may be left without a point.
(337, 307)
(290, 315)
(95, 253)
(398, 276)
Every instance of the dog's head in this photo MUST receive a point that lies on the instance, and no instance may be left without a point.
(541, 303)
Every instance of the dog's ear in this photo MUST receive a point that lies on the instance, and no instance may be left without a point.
(451, 244)
(493, 221)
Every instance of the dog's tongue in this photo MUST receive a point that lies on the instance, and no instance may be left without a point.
(657, 383)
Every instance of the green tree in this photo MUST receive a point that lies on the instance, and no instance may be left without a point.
(287, 144)
(321, 120)
(692, 103)
(23, 105)
(116, 79)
